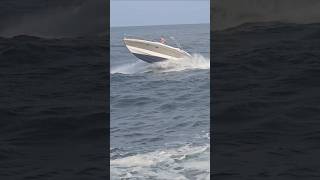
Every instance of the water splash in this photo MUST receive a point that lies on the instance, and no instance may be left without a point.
(197, 61)
(183, 163)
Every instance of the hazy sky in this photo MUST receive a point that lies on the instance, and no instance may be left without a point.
(158, 12)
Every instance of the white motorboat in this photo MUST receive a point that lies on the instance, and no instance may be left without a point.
(151, 52)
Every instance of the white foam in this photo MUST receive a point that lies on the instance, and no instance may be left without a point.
(131, 68)
(197, 61)
(183, 163)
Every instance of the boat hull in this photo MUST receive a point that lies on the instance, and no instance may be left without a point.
(152, 52)
(149, 58)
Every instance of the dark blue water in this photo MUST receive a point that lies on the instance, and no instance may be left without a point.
(52, 113)
(265, 89)
(160, 112)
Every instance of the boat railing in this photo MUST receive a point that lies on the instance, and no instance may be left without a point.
(135, 37)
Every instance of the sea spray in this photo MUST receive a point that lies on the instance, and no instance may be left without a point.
(197, 61)
(130, 68)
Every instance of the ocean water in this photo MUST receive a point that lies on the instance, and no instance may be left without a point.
(265, 89)
(52, 113)
(160, 112)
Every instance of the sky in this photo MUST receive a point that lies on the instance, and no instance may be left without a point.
(158, 12)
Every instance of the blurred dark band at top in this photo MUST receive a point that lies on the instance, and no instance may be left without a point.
(230, 13)
(53, 18)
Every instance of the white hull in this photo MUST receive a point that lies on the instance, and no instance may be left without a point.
(154, 51)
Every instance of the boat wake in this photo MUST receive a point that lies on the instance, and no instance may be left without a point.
(186, 162)
(197, 61)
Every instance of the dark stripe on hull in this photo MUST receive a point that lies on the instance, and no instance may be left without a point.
(148, 58)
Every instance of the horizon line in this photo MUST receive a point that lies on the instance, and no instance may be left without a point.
(158, 25)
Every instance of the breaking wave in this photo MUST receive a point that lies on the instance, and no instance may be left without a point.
(183, 163)
(197, 61)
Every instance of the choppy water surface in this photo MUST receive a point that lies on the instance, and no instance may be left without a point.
(160, 112)
(266, 101)
(53, 114)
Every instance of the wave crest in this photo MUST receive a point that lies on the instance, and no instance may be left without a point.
(179, 163)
